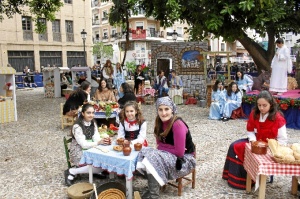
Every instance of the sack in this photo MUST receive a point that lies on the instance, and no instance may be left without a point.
(238, 113)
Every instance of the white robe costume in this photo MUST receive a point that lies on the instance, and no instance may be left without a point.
(281, 65)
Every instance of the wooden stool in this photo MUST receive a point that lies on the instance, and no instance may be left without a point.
(179, 184)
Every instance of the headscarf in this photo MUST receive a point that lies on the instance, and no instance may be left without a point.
(167, 102)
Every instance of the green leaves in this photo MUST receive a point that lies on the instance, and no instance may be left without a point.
(101, 50)
(246, 5)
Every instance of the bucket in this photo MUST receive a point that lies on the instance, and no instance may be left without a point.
(202, 103)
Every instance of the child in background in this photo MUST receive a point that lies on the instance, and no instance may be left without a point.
(132, 124)
(265, 122)
(233, 101)
(218, 98)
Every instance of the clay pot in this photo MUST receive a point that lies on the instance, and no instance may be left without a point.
(259, 147)
(138, 146)
(120, 141)
(126, 149)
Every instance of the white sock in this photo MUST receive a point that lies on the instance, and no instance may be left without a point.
(81, 170)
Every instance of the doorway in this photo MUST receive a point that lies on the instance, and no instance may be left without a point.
(163, 64)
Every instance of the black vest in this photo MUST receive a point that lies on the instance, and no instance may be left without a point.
(88, 131)
(132, 135)
(189, 145)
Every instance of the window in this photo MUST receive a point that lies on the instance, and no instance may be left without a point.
(56, 26)
(68, 1)
(139, 25)
(105, 34)
(222, 47)
(43, 36)
(26, 23)
(69, 26)
(105, 15)
(179, 31)
(113, 33)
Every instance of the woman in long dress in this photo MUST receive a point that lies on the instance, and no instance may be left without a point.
(218, 98)
(243, 81)
(233, 101)
(119, 77)
(281, 65)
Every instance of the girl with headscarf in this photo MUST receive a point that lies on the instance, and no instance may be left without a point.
(174, 156)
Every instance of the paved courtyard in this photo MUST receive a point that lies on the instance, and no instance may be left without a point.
(33, 158)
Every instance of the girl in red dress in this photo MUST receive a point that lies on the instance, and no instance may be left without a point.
(265, 122)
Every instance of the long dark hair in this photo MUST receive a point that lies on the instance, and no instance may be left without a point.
(80, 119)
(273, 105)
(215, 86)
(100, 87)
(119, 69)
(83, 87)
(236, 76)
(229, 89)
(126, 88)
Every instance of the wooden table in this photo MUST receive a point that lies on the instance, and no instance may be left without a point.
(261, 166)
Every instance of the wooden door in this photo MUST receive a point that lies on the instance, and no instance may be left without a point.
(163, 64)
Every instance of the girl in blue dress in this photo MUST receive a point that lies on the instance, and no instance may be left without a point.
(243, 81)
(233, 101)
(119, 77)
(218, 98)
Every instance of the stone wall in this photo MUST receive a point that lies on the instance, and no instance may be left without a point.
(193, 78)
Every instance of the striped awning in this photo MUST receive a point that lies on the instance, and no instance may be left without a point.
(7, 70)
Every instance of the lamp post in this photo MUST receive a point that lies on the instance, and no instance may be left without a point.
(174, 35)
(83, 36)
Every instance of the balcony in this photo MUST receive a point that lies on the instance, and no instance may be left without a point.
(105, 19)
(96, 22)
(95, 4)
(27, 35)
(43, 37)
(105, 38)
(56, 36)
(96, 40)
(70, 37)
(138, 34)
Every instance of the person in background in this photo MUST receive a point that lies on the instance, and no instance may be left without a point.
(265, 122)
(94, 85)
(233, 101)
(132, 126)
(126, 94)
(77, 98)
(108, 73)
(104, 92)
(281, 65)
(218, 98)
(138, 80)
(243, 81)
(85, 135)
(176, 81)
(82, 78)
(63, 82)
(119, 77)
(161, 84)
(174, 156)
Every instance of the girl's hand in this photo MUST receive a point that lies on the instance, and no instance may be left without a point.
(105, 141)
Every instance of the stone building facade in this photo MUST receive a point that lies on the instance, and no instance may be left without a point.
(193, 77)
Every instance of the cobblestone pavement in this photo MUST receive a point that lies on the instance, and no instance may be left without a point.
(33, 157)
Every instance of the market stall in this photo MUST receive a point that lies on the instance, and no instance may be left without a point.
(8, 106)
(51, 82)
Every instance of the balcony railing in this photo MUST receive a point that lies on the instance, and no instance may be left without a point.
(43, 37)
(96, 22)
(95, 40)
(27, 35)
(104, 18)
(70, 37)
(56, 36)
(105, 37)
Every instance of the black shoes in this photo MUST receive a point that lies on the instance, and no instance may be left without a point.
(225, 119)
(67, 181)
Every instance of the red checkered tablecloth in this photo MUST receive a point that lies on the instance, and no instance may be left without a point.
(150, 91)
(263, 164)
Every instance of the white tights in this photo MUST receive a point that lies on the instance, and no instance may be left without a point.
(81, 170)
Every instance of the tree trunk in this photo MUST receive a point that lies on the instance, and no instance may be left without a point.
(261, 57)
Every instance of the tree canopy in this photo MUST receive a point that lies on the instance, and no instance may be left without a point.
(102, 51)
(38, 9)
(230, 19)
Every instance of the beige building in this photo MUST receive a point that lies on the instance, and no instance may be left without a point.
(60, 45)
(143, 32)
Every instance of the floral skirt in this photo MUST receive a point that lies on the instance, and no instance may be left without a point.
(161, 164)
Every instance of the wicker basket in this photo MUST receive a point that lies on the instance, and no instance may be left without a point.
(110, 190)
(76, 191)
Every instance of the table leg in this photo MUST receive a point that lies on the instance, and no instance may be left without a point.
(294, 185)
(129, 188)
(248, 183)
(91, 174)
(262, 187)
